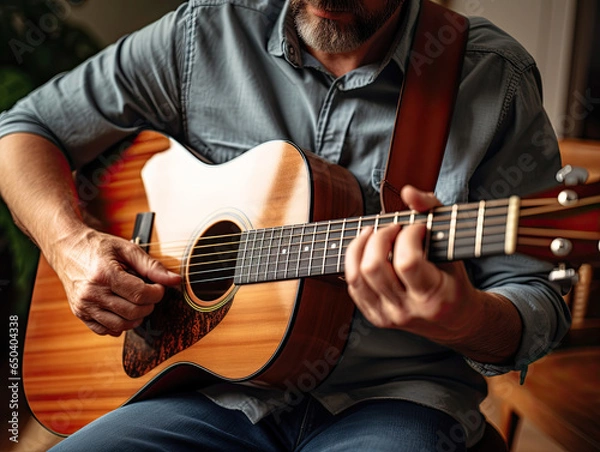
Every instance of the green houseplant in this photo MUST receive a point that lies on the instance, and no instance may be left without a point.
(37, 41)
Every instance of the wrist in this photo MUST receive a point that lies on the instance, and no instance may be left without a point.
(470, 320)
(493, 331)
(62, 237)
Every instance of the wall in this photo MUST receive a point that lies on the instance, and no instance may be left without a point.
(545, 28)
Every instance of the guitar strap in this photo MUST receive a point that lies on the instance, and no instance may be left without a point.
(426, 102)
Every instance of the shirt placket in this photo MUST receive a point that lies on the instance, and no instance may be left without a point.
(333, 124)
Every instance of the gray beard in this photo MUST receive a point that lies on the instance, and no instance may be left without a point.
(330, 37)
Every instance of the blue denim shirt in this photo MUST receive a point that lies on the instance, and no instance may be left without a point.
(224, 76)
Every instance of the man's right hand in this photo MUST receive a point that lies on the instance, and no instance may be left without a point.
(111, 283)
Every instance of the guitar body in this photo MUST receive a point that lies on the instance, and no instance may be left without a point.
(271, 333)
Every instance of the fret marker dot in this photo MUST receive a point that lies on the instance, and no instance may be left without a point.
(306, 248)
(333, 246)
(440, 236)
(284, 251)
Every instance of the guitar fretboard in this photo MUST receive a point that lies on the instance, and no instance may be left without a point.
(316, 249)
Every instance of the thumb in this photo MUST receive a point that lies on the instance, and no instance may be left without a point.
(148, 267)
(418, 200)
(161, 275)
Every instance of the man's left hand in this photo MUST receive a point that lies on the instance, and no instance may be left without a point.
(395, 286)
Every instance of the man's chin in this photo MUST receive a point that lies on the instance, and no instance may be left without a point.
(326, 35)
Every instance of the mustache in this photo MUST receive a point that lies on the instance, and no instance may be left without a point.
(331, 5)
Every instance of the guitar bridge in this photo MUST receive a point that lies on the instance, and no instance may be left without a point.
(142, 230)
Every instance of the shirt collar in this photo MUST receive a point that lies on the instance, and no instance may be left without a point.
(284, 41)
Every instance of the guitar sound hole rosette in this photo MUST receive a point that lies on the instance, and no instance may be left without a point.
(209, 266)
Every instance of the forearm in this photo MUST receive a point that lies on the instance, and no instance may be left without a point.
(37, 185)
(492, 333)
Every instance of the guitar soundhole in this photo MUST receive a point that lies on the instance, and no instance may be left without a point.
(211, 266)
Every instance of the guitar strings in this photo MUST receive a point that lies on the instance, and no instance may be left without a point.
(296, 259)
(464, 209)
(296, 251)
(466, 233)
(529, 207)
(419, 218)
(534, 207)
(465, 229)
(464, 218)
(438, 246)
(300, 270)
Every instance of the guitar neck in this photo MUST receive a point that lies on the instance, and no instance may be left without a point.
(318, 249)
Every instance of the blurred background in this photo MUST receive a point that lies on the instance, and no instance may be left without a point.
(40, 38)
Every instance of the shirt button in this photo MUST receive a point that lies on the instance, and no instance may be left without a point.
(292, 54)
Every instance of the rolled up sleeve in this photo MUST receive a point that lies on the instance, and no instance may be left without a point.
(544, 315)
(524, 158)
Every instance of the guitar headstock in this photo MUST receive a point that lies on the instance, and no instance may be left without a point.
(562, 225)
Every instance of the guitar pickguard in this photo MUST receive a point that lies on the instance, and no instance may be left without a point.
(172, 327)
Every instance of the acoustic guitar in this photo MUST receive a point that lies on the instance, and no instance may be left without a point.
(260, 244)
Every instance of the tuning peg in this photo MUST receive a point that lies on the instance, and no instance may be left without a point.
(564, 275)
(572, 175)
(561, 247)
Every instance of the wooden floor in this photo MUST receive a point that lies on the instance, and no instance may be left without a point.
(529, 438)
(35, 438)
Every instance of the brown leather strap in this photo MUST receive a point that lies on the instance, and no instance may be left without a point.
(426, 103)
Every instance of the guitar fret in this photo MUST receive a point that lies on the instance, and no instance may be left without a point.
(452, 234)
(269, 248)
(251, 254)
(283, 255)
(299, 254)
(306, 249)
(255, 258)
(325, 247)
(428, 233)
(512, 224)
(240, 264)
(278, 232)
(312, 250)
(261, 255)
(293, 253)
(339, 259)
(348, 234)
(289, 252)
(319, 249)
(331, 248)
(479, 228)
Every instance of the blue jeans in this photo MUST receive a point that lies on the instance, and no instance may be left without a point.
(191, 422)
